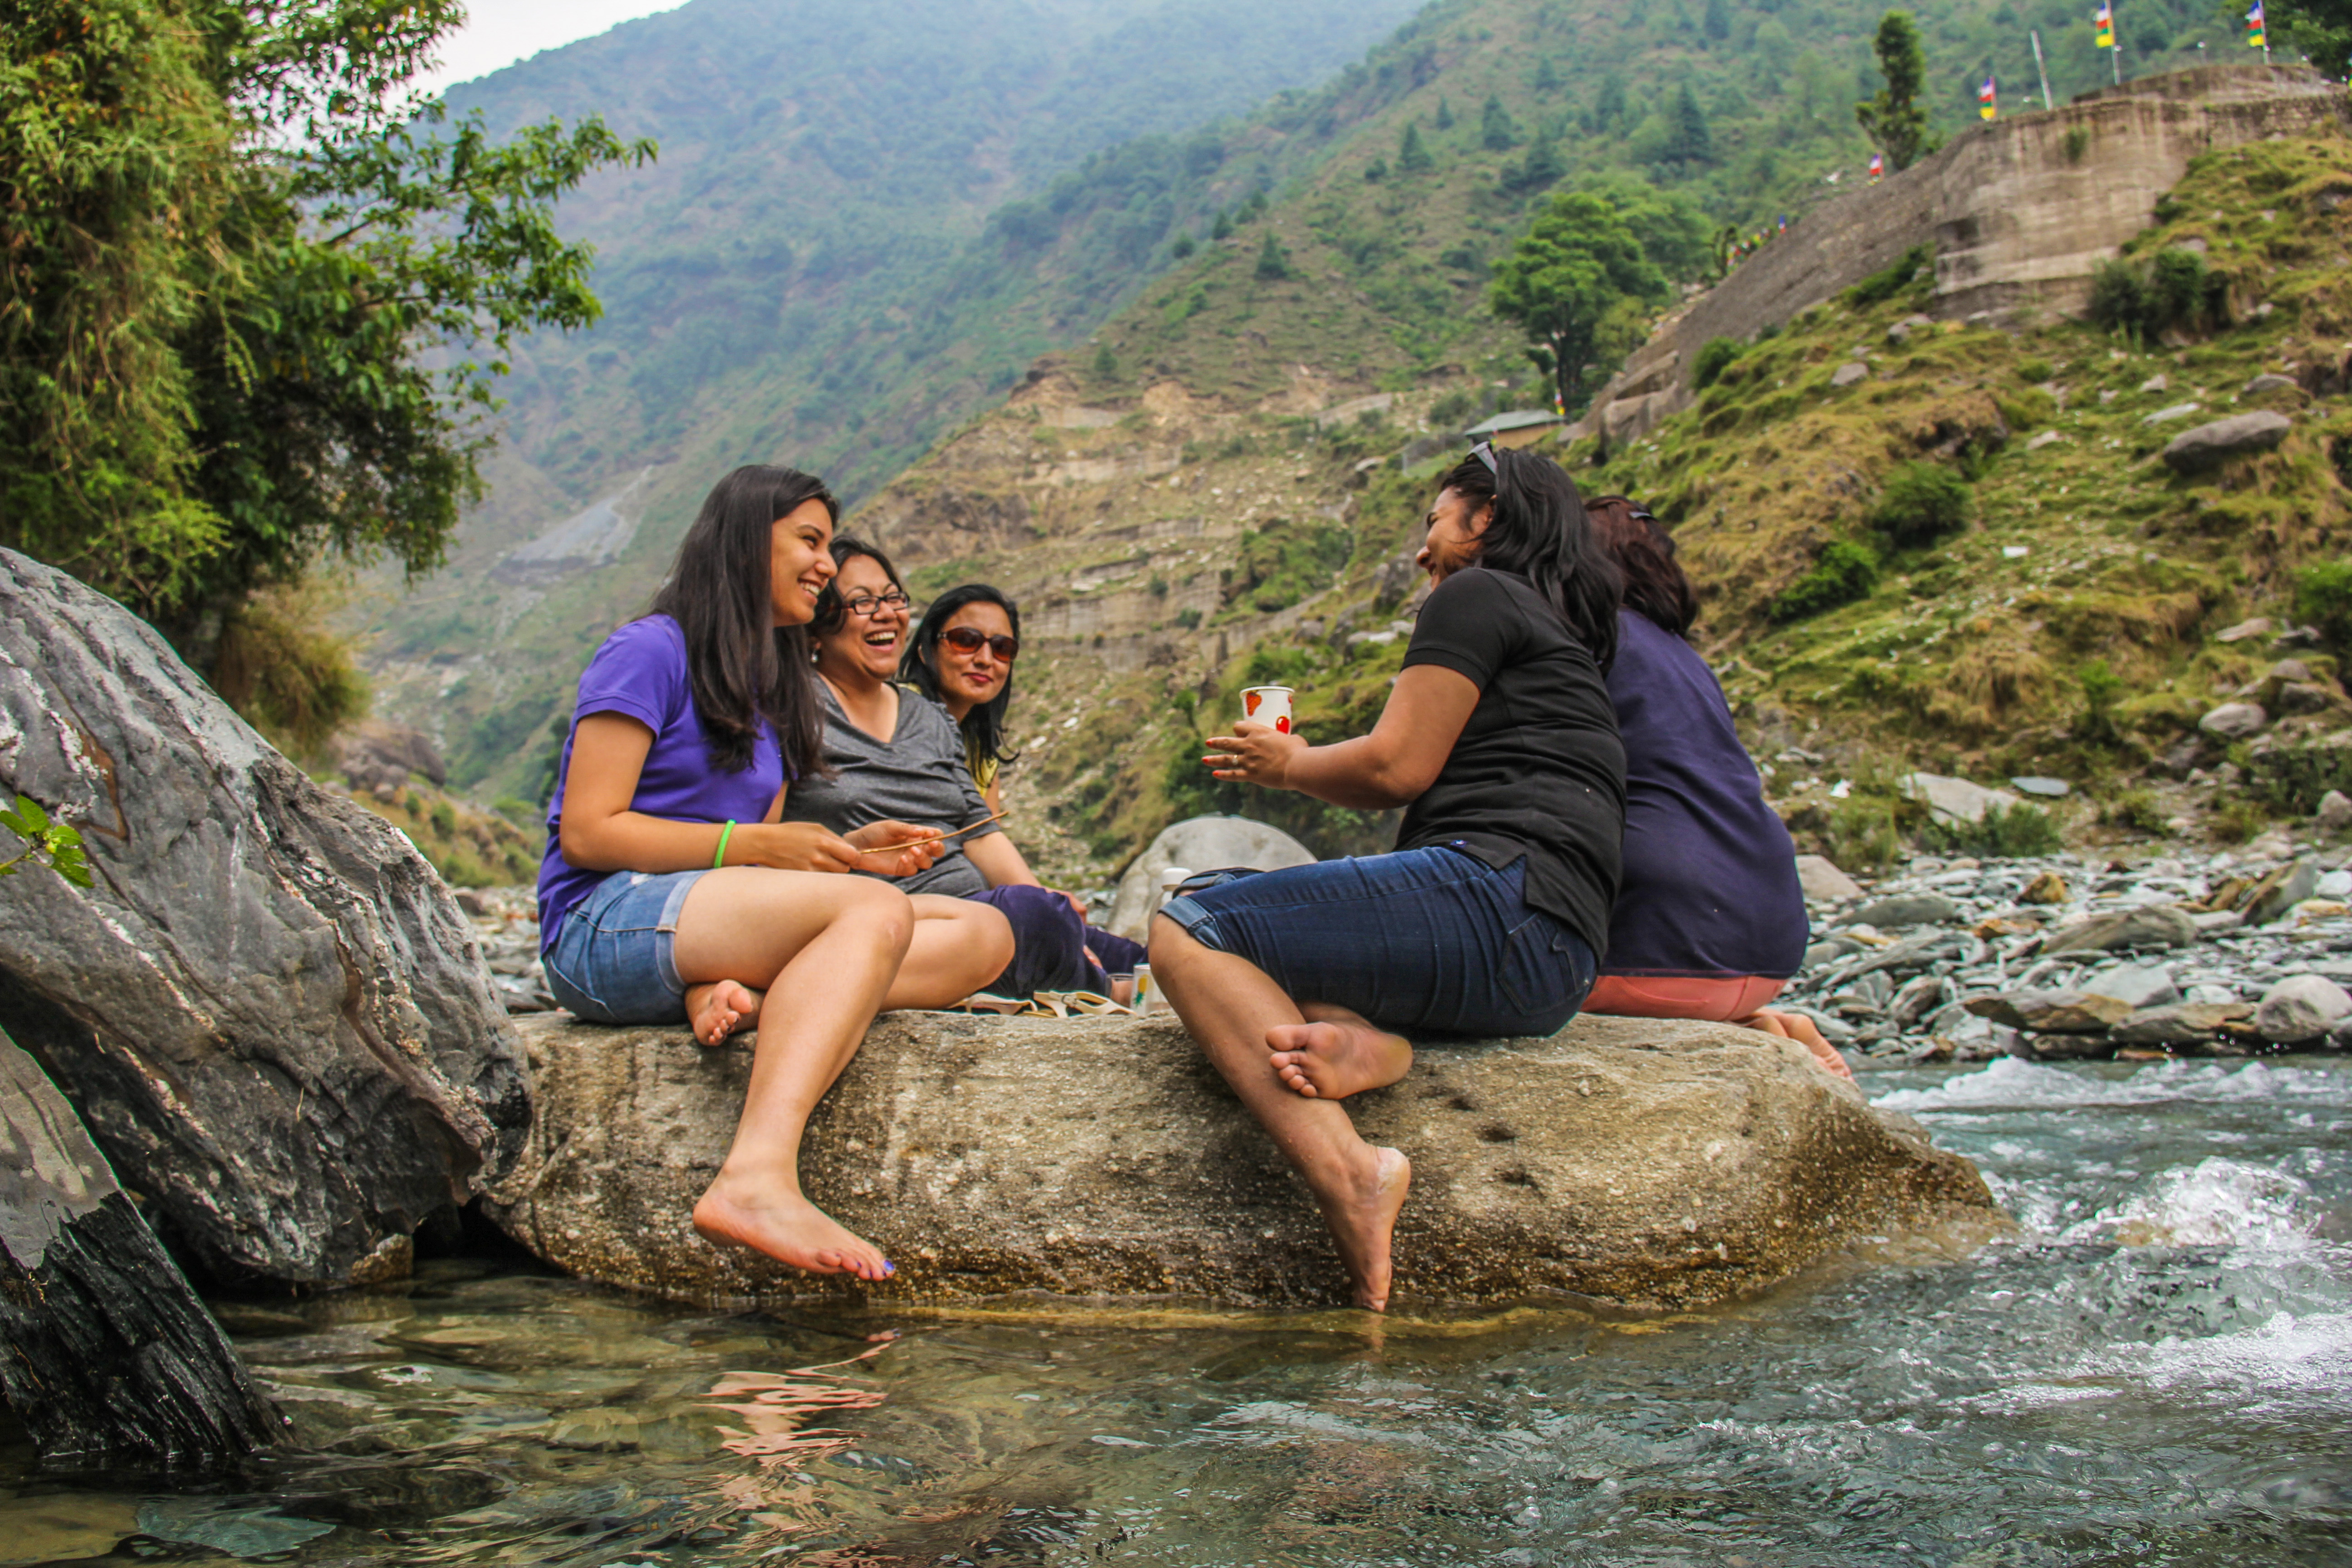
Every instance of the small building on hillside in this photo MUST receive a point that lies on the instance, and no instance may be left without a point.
(1515, 427)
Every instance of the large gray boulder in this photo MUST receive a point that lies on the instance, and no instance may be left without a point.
(2209, 445)
(1199, 844)
(1644, 1163)
(267, 1010)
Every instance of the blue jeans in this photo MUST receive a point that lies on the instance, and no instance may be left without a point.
(1426, 942)
(613, 961)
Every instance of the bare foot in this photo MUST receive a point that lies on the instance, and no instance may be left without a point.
(788, 1228)
(718, 1010)
(1362, 1218)
(1338, 1055)
(1797, 1027)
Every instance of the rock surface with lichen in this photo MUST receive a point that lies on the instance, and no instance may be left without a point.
(1644, 1163)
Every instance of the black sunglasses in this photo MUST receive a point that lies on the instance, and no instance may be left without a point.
(968, 639)
(1485, 452)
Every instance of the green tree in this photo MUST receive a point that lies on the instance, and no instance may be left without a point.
(1690, 144)
(1497, 131)
(1412, 156)
(255, 303)
(1577, 272)
(1893, 119)
(1609, 104)
(1718, 20)
(1273, 260)
(2320, 28)
(1445, 115)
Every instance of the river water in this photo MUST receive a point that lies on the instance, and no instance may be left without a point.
(2156, 1368)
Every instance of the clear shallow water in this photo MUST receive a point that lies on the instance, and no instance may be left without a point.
(2157, 1369)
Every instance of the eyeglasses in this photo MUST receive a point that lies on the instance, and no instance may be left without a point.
(1485, 452)
(864, 606)
(968, 639)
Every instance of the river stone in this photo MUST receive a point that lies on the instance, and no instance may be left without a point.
(2300, 1007)
(2047, 888)
(2276, 895)
(2181, 1023)
(2268, 382)
(1850, 373)
(1824, 883)
(2150, 926)
(1642, 1162)
(2051, 1012)
(2135, 986)
(2207, 445)
(1950, 800)
(2334, 812)
(1199, 844)
(1904, 910)
(269, 1011)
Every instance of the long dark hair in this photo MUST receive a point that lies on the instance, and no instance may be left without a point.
(1540, 532)
(831, 608)
(1655, 584)
(744, 667)
(983, 727)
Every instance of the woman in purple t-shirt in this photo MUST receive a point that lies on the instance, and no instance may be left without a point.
(672, 889)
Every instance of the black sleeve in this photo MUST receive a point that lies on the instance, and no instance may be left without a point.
(1468, 625)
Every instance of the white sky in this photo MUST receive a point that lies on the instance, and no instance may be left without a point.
(499, 32)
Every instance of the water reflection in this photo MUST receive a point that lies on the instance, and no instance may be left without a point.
(2154, 1370)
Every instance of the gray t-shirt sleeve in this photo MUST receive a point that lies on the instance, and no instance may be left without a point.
(918, 775)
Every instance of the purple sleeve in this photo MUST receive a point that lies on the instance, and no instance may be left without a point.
(639, 673)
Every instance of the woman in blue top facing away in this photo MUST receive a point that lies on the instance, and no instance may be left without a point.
(1489, 917)
(671, 888)
(1710, 919)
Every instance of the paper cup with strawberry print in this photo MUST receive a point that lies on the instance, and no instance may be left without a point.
(1267, 705)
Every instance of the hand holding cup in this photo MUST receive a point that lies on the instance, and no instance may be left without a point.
(1254, 754)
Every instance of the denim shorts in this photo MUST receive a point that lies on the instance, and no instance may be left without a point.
(1425, 941)
(613, 961)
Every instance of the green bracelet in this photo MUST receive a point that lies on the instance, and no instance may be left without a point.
(724, 833)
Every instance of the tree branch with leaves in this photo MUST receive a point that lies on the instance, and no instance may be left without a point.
(1579, 284)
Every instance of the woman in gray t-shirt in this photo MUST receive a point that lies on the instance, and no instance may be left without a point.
(894, 754)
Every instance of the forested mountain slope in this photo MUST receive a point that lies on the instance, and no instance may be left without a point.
(1360, 219)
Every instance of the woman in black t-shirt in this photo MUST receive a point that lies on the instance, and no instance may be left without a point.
(1490, 916)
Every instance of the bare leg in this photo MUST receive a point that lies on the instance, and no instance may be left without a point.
(1229, 1004)
(1335, 1053)
(1797, 1027)
(959, 947)
(834, 944)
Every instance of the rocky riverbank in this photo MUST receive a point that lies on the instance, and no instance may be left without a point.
(2070, 955)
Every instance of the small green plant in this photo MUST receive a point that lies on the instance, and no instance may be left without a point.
(2135, 809)
(2009, 833)
(1863, 835)
(57, 844)
(2036, 372)
(1106, 366)
(1183, 244)
(1845, 572)
(1714, 357)
(444, 819)
(1158, 586)
(2101, 685)
(2237, 820)
(2322, 598)
(1881, 287)
(2175, 290)
(1188, 617)
(1920, 505)
(2078, 141)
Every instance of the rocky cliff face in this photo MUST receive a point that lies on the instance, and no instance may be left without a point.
(269, 1011)
(1641, 1163)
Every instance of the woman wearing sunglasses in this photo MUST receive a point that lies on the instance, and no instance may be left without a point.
(895, 754)
(672, 889)
(1710, 919)
(1499, 741)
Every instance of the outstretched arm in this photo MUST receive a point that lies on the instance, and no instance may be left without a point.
(1390, 767)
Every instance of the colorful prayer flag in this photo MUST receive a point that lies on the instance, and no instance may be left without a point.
(2257, 33)
(1877, 165)
(1988, 100)
(2105, 24)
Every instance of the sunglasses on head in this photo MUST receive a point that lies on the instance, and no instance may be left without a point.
(968, 639)
(1485, 452)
